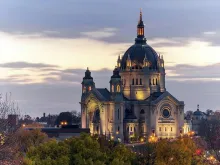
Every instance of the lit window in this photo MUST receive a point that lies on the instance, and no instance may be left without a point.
(112, 88)
(90, 88)
(118, 88)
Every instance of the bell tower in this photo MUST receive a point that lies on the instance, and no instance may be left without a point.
(87, 83)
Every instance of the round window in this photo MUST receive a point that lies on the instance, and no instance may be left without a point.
(166, 113)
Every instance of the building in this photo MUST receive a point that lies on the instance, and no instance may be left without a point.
(138, 104)
(63, 132)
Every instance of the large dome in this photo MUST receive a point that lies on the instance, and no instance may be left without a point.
(137, 54)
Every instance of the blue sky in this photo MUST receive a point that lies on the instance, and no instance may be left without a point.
(45, 47)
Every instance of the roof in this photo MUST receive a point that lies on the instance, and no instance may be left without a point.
(198, 113)
(154, 96)
(104, 93)
(137, 54)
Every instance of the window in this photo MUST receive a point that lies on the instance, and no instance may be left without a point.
(97, 129)
(112, 88)
(142, 111)
(118, 114)
(149, 81)
(118, 128)
(118, 88)
(156, 81)
(90, 88)
(165, 128)
(132, 81)
(140, 81)
(153, 82)
(131, 128)
(124, 81)
(136, 81)
(171, 129)
(160, 129)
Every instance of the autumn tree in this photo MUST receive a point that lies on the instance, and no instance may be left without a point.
(8, 128)
(210, 131)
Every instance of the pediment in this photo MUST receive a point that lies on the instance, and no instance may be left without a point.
(167, 96)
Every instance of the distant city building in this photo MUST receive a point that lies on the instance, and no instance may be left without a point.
(138, 104)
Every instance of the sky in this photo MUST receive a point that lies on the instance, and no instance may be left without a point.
(46, 46)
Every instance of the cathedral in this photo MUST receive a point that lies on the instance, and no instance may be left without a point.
(137, 104)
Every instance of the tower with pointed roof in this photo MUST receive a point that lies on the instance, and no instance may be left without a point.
(137, 104)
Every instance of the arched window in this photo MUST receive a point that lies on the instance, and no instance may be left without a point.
(142, 111)
(149, 81)
(118, 114)
(171, 129)
(132, 81)
(153, 82)
(165, 128)
(112, 88)
(131, 128)
(90, 88)
(156, 81)
(118, 88)
(140, 81)
(136, 81)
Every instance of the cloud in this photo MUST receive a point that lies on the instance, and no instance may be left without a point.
(186, 72)
(99, 34)
(22, 65)
(209, 33)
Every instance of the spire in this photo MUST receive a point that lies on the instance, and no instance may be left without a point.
(140, 15)
(145, 62)
(119, 61)
(140, 31)
(88, 74)
(145, 57)
(129, 61)
(129, 58)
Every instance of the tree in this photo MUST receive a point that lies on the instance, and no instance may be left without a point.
(76, 117)
(50, 153)
(29, 138)
(83, 150)
(8, 127)
(210, 131)
(181, 151)
(64, 116)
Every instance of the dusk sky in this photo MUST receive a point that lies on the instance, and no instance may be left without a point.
(45, 47)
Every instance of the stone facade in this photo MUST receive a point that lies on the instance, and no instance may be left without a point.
(138, 103)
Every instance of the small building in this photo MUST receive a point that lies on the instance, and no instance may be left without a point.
(63, 132)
